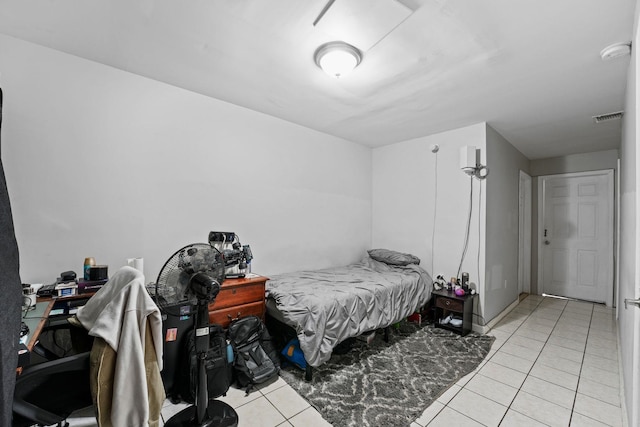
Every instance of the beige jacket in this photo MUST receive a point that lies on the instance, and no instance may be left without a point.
(127, 354)
(103, 365)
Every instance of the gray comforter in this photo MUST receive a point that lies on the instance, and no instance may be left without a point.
(328, 306)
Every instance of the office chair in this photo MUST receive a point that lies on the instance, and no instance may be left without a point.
(48, 392)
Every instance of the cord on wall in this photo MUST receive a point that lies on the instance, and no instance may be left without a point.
(479, 233)
(434, 149)
(466, 234)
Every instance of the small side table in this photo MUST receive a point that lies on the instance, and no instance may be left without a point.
(238, 298)
(446, 303)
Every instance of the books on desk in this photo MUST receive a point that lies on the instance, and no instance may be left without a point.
(90, 286)
(71, 288)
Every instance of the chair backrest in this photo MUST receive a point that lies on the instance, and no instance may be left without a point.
(47, 393)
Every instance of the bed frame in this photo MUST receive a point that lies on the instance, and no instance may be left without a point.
(281, 334)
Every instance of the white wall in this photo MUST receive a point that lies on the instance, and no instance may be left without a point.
(404, 199)
(584, 162)
(104, 163)
(404, 193)
(629, 235)
(502, 188)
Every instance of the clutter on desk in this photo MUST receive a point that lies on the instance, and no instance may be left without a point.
(66, 280)
(95, 276)
(28, 296)
(98, 272)
(237, 257)
(137, 263)
(90, 286)
(88, 263)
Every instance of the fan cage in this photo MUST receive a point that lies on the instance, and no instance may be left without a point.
(172, 292)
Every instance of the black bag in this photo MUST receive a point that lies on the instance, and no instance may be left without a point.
(256, 360)
(217, 365)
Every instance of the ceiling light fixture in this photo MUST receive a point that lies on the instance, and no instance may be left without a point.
(337, 58)
(615, 51)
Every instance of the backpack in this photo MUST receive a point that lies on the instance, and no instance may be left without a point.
(217, 365)
(255, 359)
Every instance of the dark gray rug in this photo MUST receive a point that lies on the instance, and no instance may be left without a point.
(390, 384)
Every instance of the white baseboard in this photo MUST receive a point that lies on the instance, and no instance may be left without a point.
(486, 328)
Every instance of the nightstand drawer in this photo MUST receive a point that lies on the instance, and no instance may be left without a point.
(237, 295)
(450, 304)
(224, 316)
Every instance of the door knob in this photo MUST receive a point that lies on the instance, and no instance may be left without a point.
(635, 302)
(546, 242)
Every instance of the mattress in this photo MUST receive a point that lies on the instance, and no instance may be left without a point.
(325, 307)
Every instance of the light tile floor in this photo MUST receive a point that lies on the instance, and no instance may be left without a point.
(554, 363)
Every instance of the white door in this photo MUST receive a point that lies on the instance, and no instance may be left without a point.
(629, 323)
(577, 236)
(629, 276)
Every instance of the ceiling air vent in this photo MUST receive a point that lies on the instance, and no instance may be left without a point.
(608, 117)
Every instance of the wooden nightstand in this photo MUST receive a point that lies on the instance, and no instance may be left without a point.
(238, 298)
(446, 303)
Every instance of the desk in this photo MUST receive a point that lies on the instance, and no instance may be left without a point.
(38, 318)
(35, 320)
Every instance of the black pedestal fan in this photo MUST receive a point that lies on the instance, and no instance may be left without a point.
(194, 274)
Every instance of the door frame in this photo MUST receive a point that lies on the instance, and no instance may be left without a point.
(542, 180)
(524, 232)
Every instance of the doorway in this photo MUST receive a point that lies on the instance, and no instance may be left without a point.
(575, 243)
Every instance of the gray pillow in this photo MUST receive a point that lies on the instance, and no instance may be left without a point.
(392, 257)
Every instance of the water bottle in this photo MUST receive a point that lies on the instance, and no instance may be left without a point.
(229, 353)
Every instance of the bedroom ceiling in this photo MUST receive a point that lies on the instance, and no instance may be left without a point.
(531, 69)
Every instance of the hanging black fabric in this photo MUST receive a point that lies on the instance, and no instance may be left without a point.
(218, 366)
(11, 301)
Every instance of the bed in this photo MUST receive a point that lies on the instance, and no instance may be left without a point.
(326, 307)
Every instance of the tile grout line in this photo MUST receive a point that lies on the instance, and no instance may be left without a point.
(286, 419)
(580, 375)
(532, 365)
(489, 359)
(575, 397)
(545, 343)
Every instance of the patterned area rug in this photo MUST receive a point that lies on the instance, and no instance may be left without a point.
(390, 384)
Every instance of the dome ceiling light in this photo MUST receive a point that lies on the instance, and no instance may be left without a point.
(337, 58)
